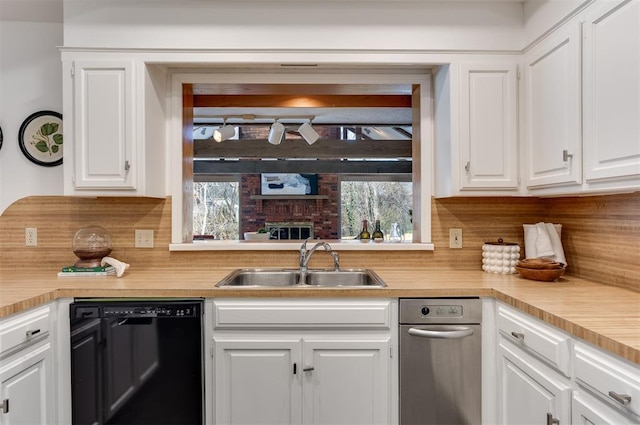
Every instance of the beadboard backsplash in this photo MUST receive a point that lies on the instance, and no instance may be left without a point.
(601, 235)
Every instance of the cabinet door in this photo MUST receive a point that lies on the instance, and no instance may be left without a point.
(612, 90)
(552, 154)
(25, 388)
(346, 382)
(257, 381)
(488, 126)
(104, 125)
(528, 391)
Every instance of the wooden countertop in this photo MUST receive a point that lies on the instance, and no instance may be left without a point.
(604, 315)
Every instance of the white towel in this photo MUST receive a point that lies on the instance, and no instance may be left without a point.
(556, 243)
(543, 240)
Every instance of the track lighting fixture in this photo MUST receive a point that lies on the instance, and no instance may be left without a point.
(308, 133)
(223, 133)
(276, 134)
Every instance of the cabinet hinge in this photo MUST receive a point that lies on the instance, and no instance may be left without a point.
(517, 72)
(391, 351)
(73, 69)
(127, 166)
(211, 351)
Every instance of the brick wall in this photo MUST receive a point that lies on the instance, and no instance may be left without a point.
(323, 213)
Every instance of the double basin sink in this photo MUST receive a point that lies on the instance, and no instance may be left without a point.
(314, 278)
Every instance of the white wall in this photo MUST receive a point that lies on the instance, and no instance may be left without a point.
(30, 81)
(294, 24)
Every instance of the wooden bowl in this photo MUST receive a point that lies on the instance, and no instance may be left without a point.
(544, 275)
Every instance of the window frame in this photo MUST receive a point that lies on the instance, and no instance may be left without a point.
(423, 142)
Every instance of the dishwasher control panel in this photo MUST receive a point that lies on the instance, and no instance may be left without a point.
(176, 310)
(440, 310)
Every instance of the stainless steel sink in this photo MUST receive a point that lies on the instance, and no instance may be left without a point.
(352, 278)
(346, 277)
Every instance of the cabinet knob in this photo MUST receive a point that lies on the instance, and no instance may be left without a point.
(127, 166)
(518, 335)
(551, 420)
(467, 166)
(4, 407)
(29, 334)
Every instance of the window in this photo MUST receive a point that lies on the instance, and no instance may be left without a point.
(370, 197)
(215, 209)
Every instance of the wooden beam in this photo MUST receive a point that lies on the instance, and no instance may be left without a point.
(304, 101)
(301, 166)
(322, 149)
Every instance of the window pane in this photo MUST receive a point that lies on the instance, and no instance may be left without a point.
(215, 210)
(370, 200)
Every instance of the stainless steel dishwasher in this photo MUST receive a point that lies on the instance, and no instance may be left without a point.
(440, 361)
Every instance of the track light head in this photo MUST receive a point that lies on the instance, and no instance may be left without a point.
(308, 133)
(223, 133)
(276, 134)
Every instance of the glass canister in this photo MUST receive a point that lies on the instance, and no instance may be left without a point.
(500, 257)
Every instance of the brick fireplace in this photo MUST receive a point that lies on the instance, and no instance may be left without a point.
(323, 213)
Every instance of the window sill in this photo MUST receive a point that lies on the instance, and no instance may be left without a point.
(294, 246)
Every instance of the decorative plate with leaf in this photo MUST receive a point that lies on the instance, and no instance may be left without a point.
(40, 138)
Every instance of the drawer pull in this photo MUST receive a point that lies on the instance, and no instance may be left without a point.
(32, 333)
(623, 399)
(518, 335)
(308, 369)
(4, 407)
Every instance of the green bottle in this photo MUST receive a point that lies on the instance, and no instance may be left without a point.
(364, 235)
(377, 236)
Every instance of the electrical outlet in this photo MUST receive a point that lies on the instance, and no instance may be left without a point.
(455, 238)
(144, 239)
(31, 236)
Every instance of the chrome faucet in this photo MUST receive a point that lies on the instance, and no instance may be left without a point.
(305, 256)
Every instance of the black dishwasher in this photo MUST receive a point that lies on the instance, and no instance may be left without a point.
(136, 362)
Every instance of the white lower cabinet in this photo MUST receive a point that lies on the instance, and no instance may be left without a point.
(26, 387)
(548, 377)
(530, 392)
(315, 373)
(255, 382)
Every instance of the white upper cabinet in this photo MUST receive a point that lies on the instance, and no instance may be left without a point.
(116, 142)
(105, 125)
(612, 91)
(476, 127)
(488, 126)
(552, 136)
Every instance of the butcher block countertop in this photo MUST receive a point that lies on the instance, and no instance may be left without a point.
(604, 315)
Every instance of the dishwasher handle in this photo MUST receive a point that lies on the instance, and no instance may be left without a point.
(450, 332)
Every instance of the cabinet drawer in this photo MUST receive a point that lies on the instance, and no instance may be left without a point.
(24, 328)
(612, 379)
(551, 346)
(302, 314)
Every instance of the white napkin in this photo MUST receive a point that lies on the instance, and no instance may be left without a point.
(556, 243)
(119, 265)
(542, 240)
